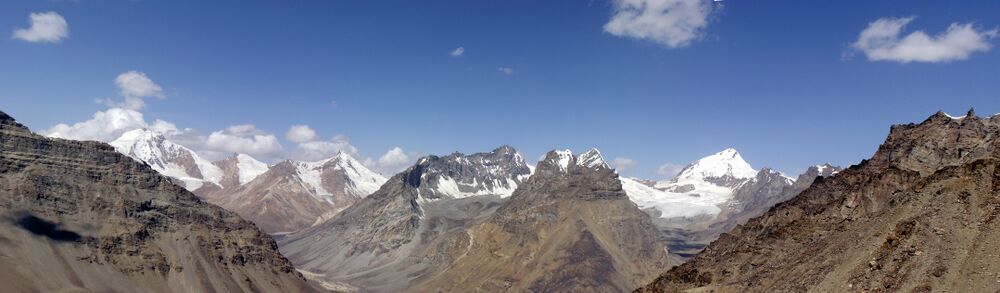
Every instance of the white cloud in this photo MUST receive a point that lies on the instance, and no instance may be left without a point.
(164, 127)
(393, 161)
(104, 126)
(394, 157)
(45, 27)
(672, 23)
(457, 52)
(300, 133)
(623, 163)
(881, 41)
(506, 70)
(318, 150)
(245, 139)
(669, 170)
(134, 86)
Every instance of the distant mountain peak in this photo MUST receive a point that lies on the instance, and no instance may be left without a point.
(727, 163)
(168, 158)
(459, 175)
(249, 168)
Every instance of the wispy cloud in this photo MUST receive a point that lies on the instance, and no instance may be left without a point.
(623, 164)
(672, 23)
(457, 52)
(506, 70)
(46, 27)
(669, 170)
(882, 41)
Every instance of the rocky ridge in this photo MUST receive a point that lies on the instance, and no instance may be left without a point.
(918, 216)
(388, 239)
(81, 216)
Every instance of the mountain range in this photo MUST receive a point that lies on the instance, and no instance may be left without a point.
(282, 198)
(350, 228)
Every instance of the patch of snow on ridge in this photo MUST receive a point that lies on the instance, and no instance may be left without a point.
(591, 158)
(448, 186)
(564, 157)
(364, 181)
(669, 204)
(953, 117)
(311, 175)
(249, 168)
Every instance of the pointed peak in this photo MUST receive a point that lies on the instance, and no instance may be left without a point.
(728, 153)
(727, 162)
(245, 158)
(561, 159)
(7, 120)
(505, 149)
(591, 158)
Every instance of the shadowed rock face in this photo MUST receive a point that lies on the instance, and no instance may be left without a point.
(919, 216)
(79, 216)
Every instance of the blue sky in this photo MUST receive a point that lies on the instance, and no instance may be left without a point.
(781, 81)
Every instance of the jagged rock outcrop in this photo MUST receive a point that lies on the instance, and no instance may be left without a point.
(396, 235)
(569, 228)
(919, 216)
(80, 217)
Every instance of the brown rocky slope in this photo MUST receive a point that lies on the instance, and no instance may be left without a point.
(569, 228)
(80, 217)
(920, 216)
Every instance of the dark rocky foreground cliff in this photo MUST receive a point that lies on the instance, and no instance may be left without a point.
(80, 217)
(919, 216)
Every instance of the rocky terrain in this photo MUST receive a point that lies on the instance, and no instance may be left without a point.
(919, 216)
(80, 217)
(390, 238)
(569, 228)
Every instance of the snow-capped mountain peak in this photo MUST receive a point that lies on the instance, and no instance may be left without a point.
(496, 173)
(561, 158)
(591, 159)
(363, 181)
(168, 158)
(727, 163)
(249, 168)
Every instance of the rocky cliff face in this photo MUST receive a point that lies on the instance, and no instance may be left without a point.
(919, 216)
(569, 228)
(79, 216)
